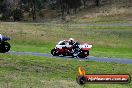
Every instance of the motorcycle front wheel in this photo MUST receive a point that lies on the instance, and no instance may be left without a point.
(83, 54)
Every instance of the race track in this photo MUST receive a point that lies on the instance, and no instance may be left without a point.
(90, 58)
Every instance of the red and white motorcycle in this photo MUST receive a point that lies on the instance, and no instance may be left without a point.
(75, 50)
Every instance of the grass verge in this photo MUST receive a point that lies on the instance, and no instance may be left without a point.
(18, 71)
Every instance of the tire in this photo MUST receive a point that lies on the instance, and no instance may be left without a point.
(5, 47)
(82, 55)
(88, 53)
(53, 52)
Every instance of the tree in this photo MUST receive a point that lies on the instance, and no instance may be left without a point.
(17, 14)
(84, 3)
(68, 5)
(97, 2)
(33, 4)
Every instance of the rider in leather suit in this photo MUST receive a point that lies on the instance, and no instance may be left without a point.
(74, 44)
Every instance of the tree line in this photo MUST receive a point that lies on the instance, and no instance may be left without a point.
(15, 9)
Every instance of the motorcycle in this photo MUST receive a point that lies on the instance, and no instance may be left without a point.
(4, 45)
(80, 51)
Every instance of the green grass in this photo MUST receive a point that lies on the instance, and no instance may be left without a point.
(117, 41)
(112, 52)
(33, 48)
(18, 71)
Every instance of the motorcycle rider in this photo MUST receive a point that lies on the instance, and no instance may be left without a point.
(75, 45)
(0, 37)
(3, 38)
(71, 41)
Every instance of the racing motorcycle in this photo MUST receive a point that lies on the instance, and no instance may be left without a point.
(80, 51)
(4, 45)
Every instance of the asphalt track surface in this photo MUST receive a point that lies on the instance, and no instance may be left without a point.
(89, 58)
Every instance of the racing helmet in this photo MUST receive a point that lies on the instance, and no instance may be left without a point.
(71, 39)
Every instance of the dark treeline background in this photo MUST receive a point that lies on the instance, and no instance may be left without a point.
(24, 10)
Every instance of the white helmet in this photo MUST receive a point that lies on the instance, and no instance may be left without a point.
(71, 39)
(0, 37)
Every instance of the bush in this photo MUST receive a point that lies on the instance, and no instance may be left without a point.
(17, 15)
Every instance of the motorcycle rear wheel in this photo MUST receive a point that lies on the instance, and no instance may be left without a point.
(53, 52)
(4, 47)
